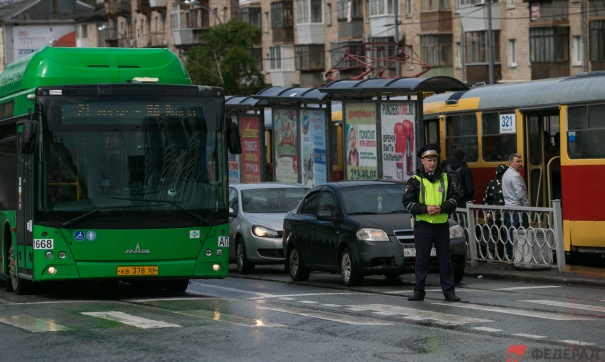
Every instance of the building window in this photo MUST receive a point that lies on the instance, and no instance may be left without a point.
(329, 20)
(434, 5)
(250, 15)
(382, 7)
(458, 55)
(512, 52)
(476, 46)
(275, 58)
(309, 57)
(597, 41)
(267, 22)
(408, 7)
(462, 132)
(548, 44)
(577, 50)
(347, 10)
(436, 49)
(309, 11)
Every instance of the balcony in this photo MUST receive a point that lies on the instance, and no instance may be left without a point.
(436, 21)
(154, 4)
(382, 26)
(187, 37)
(117, 8)
(310, 33)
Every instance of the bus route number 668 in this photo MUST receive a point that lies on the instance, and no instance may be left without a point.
(44, 244)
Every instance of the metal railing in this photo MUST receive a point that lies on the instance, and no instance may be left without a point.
(528, 237)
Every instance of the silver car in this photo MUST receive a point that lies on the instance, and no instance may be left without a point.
(256, 217)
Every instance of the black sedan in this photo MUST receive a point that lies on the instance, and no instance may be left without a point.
(357, 228)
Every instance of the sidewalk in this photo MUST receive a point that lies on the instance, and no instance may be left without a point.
(574, 275)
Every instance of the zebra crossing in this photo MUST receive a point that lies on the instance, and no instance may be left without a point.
(159, 313)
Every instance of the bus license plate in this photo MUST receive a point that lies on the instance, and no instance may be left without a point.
(412, 252)
(135, 271)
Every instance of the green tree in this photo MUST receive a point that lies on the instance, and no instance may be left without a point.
(224, 59)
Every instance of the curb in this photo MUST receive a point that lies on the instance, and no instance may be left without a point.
(567, 279)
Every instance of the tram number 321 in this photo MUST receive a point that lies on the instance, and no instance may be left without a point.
(508, 123)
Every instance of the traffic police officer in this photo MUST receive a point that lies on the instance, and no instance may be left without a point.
(430, 197)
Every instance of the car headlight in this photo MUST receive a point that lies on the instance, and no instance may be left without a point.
(264, 232)
(372, 235)
(456, 231)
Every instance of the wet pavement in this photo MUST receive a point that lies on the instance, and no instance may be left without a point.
(588, 271)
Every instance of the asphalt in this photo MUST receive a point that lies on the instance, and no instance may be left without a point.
(577, 275)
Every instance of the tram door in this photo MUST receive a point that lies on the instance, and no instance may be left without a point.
(541, 161)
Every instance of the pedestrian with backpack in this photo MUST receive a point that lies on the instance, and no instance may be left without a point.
(458, 168)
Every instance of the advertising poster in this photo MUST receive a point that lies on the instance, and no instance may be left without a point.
(286, 152)
(28, 39)
(313, 146)
(360, 141)
(398, 161)
(251, 148)
(233, 164)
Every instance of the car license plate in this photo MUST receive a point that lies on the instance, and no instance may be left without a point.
(135, 271)
(412, 252)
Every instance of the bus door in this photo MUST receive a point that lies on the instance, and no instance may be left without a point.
(541, 158)
(25, 181)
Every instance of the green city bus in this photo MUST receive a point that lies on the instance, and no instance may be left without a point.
(113, 167)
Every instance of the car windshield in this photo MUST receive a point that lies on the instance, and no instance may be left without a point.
(271, 200)
(373, 199)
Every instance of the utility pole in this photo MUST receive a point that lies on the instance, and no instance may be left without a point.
(397, 48)
(490, 43)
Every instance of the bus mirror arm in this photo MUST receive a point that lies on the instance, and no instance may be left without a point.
(29, 137)
(234, 142)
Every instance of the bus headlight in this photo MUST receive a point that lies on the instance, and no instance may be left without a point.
(49, 254)
(52, 270)
(216, 267)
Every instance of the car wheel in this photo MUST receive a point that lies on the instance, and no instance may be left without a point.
(348, 269)
(243, 265)
(298, 272)
(458, 274)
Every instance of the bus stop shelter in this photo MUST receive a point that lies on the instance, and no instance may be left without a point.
(383, 123)
(250, 165)
(300, 140)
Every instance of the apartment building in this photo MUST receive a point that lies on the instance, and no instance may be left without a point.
(302, 41)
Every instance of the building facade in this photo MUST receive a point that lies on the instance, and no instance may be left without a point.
(310, 42)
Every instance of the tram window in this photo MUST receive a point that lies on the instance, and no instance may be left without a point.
(586, 132)
(496, 146)
(461, 131)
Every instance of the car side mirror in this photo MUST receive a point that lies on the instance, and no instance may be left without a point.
(232, 212)
(326, 215)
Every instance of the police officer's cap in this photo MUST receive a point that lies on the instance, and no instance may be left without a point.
(429, 150)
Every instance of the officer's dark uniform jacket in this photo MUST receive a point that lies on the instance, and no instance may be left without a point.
(417, 190)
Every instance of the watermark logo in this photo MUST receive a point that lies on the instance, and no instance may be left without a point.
(515, 352)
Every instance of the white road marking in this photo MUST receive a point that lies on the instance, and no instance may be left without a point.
(419, 315)
(162, 299)
(579, 343)
(130, 320)
(410, 292)
(592, 308)
(265, 296)
(33, 324)
(534, 287)
(334, 317)
(518, 312)
(332, 305)
(308, 302)
(229, 318)
(487, 329)
(532, 336)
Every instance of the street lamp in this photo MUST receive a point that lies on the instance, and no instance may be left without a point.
(198, 4)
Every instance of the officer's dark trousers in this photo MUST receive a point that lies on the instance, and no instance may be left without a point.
(427, 234)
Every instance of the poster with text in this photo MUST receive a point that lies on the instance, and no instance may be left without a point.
(361, 142)
(251, 148)
(313, 146)
(398, 161)
(286, 152)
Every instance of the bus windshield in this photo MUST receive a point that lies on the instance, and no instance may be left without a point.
(129, 162)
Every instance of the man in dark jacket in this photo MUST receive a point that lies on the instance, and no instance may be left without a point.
(466, 179)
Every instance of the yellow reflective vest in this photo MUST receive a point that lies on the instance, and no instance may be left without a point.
(432, 194)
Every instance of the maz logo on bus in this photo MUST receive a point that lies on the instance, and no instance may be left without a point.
(138, 250)
(508, 123)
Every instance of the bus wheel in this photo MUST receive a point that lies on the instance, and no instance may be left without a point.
(14, 283)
